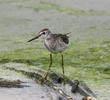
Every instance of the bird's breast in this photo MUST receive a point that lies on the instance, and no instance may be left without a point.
(55, 46)
(49, 45)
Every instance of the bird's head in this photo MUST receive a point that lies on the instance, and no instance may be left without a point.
(44, 33)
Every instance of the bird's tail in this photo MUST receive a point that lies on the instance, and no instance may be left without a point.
(68, 34)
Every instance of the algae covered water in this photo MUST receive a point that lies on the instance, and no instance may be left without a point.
(88, 55)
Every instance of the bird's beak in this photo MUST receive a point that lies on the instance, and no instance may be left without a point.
(34, 38)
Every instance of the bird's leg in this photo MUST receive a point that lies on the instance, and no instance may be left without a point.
(49, 66)
(63, 67)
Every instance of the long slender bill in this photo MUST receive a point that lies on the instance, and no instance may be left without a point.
(34, 38)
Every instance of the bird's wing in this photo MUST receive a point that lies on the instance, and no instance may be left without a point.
(65, 39)
(62, 37)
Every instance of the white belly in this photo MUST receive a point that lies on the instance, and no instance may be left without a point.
(55, 47)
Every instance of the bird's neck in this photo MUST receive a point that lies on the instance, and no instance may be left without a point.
(49, 36)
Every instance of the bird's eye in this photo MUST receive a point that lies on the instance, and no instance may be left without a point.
(43, 32)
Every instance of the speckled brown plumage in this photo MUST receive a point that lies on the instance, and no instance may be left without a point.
(55, 43)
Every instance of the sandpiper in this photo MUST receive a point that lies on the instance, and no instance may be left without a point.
(55, 43)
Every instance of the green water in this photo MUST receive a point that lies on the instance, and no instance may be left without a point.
(88, 55)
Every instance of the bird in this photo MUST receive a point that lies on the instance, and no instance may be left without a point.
(55, 43)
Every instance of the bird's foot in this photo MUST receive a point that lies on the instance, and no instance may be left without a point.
(43, 79)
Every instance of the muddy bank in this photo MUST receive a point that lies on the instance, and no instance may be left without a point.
(27, 90)
(54, 88)
(30, 90)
